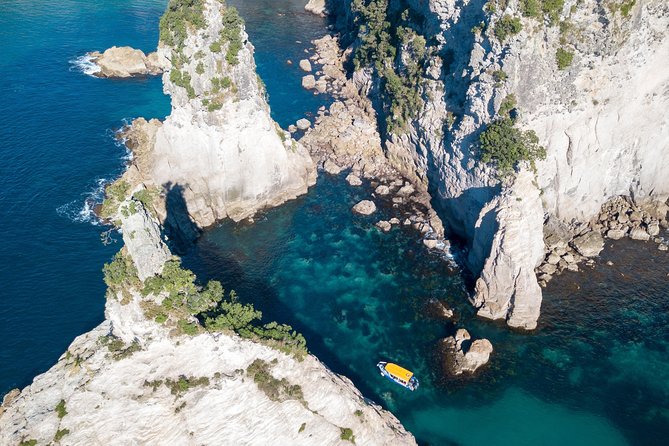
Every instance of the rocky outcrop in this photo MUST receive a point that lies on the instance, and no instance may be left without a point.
(364, 207)
(464, 356)
(132, 380)
(507, 287)
(316, 7)
(124, 62)
(218, 154)
(599, 116)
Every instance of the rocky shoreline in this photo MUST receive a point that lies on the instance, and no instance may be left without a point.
(567, 247)
(344, 137)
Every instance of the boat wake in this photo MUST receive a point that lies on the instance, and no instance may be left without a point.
(84, 64)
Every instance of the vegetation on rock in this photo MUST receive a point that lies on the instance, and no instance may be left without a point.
(390, 46)
(563, 58)
(60, 433)
(347, 434)
(115, 193)
(60, 409)
(505, 145)
(118, 349)
(538, 9)
(178, 18)
(275, 389)
(190, 308)
(230, 35)
(507, 26)
(120, 274)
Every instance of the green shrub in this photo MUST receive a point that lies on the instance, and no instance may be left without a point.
(199, 69)
(115, 193)
(303, 426)
(626, 7)
(183, 80)
(60, 409)
(28, 443)
(147, 197)
(552, 9)
(275, 389)
(120, 273)
(179, 16)
(508, 104)
(184, 384)
(563, 58)
(118, 349)
(531, 8)
(499, 76)
(505, 146)
(60, 433)
(347, 434)
(187, 328)
(507, 26)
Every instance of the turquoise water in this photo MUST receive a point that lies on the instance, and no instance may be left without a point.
(595, 372)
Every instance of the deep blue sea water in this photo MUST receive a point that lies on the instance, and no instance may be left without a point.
(596, 372)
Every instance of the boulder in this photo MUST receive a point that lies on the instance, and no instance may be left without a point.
(553, 258)
(303, 124)
(353, 180)
(394, 221)
(589, 244)
(615, 234)
(384, 225)
(382, 190)
(365, 207)
(463, 356)
(331, 168)
(125, 62)
(405, 191)
(548, 268)
(309, 82)
(305, 65)
(653, 229)
(430, 243)
(639, 234)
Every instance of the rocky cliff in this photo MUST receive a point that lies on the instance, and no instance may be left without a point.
(139, 380)
(219, 146)
(588, 77)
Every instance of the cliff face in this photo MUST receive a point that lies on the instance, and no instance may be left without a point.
(133, 381)
(600, 119)
(219, 143)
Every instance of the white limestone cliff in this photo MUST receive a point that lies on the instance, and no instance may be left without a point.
(602, 121)
(219, 145)
(112, 397)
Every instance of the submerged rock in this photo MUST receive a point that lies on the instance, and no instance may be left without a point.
(384, 225)
(463, 356)
(365, 207)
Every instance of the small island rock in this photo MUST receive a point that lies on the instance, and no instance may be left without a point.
(353, 180)
(365, 207)
(303, 124)
(305, 65)
(463, 356)
(309, 82)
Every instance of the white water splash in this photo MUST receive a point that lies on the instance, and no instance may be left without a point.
(85, 65)
(79, 212)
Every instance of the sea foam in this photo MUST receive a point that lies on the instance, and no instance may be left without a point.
(85, 65)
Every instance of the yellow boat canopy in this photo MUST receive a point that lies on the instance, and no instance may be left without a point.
(399, 372)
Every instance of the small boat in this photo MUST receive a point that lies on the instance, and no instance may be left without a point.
(398, 375)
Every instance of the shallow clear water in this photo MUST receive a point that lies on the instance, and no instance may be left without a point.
(595, 372)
